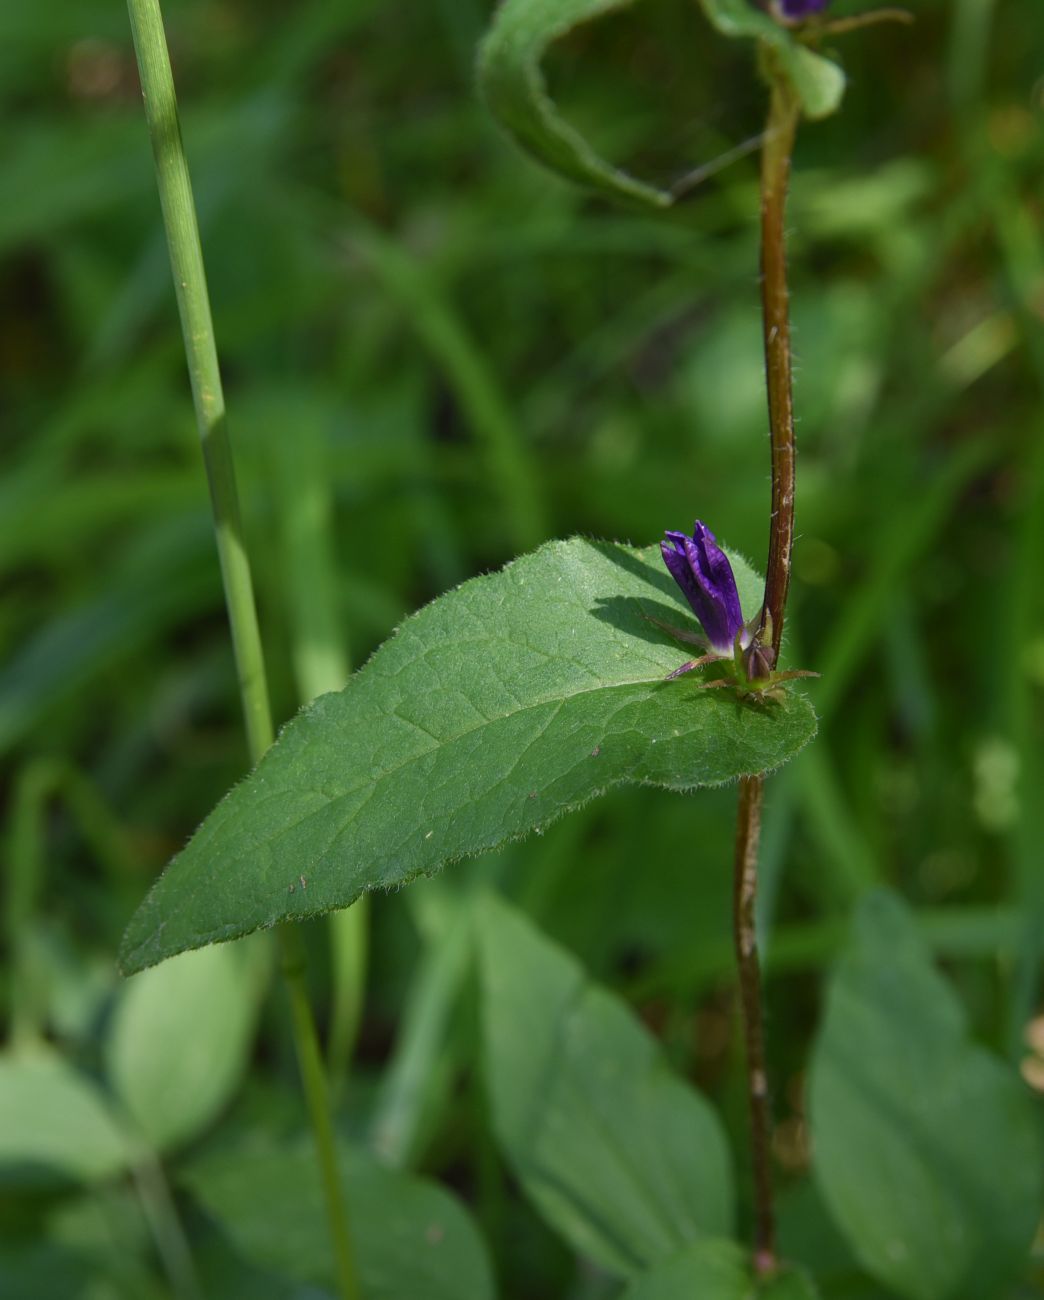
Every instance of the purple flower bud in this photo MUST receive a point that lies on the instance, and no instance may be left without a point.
(759, 661)
(802, 8)
(702, 569)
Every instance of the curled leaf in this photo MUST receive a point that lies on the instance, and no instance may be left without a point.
(512, 84)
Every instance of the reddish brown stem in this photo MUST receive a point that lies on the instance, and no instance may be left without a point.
(745, 885)
(775, 175)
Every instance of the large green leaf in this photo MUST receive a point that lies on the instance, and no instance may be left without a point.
(925, 1144)
(622, 1157)
(512, 85)
(499, 707)
(411, 1238)
(180, 1038)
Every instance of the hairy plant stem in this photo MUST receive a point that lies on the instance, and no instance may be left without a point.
(744, 896)
(775, 172)
(190, 285)
(775, 321)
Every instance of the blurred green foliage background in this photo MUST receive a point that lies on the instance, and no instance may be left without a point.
(436, 356)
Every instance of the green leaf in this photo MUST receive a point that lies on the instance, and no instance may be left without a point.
(180, 1039)
(504, 704)
(925, 1144)
(411, 1238)
(717, 1270)
(513, 88)
(625, 1160)
(36, 1268)
(788, 1284)
(711, 1270)
(55, 1123)
(818, 82)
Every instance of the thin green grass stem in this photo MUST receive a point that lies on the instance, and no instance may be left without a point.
(420, 1070)
(1019, 245)
(39, 782)
(969, 45)
(190, 286)
(511, 468)
(161, 1213)
(186, 258)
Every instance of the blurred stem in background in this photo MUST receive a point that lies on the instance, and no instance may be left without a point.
(512, 474)
(304, 504)
(775, 174)
(186, 257)
(171, 1242)
(39, 782)
(1017, 236)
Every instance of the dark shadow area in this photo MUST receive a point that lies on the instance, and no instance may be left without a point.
(658, 579)
(631, 614)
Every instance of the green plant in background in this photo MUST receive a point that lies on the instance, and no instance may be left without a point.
(497, 708)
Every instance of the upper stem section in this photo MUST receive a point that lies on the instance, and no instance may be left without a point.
(197, 327)
(784, 111)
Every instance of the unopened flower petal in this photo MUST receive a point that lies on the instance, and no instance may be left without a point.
(703, 572)
(802, 8)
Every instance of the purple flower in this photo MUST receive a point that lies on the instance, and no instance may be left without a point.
(802, 8)
(702, 569)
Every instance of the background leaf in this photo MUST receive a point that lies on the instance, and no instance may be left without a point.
(717, 1270)
(712, 1270)
(505, 703)
(513, 87)
(55, 1123)
(925, 1145)
(624, 1159)
(180, 1040)
(411, 1238)
(788, 1284)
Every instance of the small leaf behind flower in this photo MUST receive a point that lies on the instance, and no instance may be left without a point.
(818, 82)
(494, 710)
